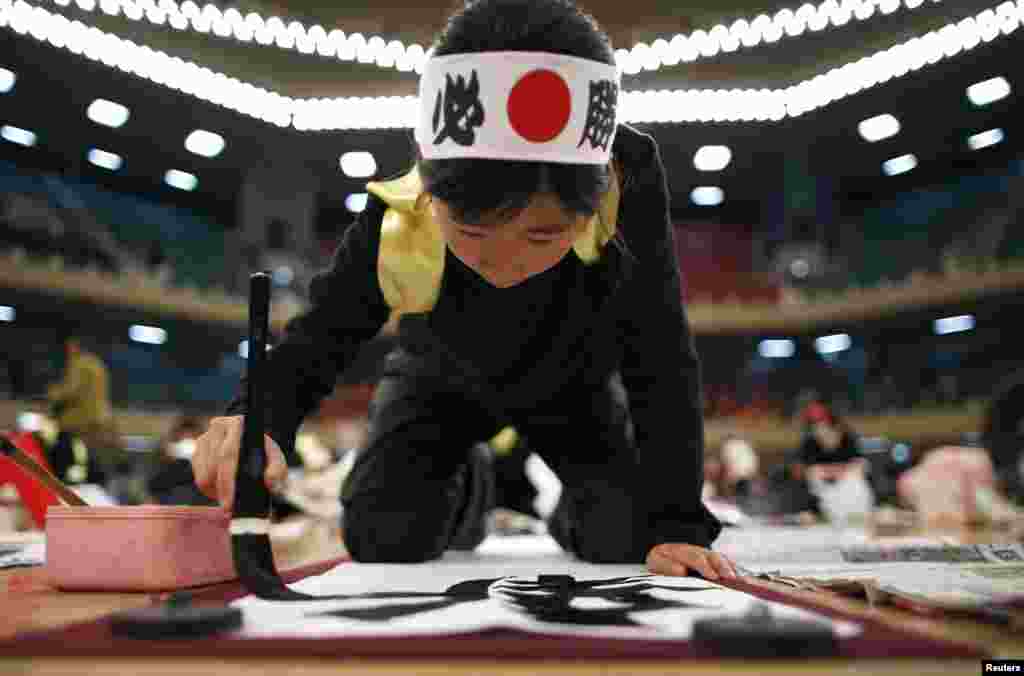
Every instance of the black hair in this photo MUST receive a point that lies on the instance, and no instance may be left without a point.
(68, 331)
(473, 188)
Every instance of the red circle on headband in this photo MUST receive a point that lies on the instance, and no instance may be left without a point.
(539, 105)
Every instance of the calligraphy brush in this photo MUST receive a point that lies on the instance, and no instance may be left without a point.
(250, 512)
(39, 473)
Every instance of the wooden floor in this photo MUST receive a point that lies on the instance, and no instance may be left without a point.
(26, 603)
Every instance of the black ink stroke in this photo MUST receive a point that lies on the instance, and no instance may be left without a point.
(548, 599)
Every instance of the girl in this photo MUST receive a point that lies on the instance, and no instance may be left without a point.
(529, 255)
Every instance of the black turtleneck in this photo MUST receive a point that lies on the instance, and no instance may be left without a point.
(556, 328)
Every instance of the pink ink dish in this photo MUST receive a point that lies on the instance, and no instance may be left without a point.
(137, 548)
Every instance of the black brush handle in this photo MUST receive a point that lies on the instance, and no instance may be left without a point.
(252, 498)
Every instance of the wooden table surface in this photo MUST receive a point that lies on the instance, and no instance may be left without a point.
(27, 604)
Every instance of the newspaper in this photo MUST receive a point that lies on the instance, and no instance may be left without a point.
(942, 585)
(931, 571)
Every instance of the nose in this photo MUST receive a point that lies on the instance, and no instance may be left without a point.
(502, 254)
(501, 268)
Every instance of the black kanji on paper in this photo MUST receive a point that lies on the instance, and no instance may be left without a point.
(604, 95)
(548, 599)
(458, 111)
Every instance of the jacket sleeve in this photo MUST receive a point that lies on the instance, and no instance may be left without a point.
(660, 369)
(346, 309)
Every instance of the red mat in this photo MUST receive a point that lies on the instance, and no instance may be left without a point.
(91, 639)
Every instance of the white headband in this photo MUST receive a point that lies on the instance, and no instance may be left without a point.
(530, 106)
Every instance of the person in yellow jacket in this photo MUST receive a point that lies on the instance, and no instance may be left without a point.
(87, 448)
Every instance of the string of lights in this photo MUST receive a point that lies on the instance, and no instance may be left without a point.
(292, 35)
(666, 106)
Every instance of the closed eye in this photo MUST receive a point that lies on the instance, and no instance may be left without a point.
(474, 234)
(546, 234)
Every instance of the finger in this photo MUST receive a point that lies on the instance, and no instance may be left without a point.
(721, 565)
(660, 564)
(204, 461)
(733, 568)
(277, 468)
(205, 477)
(227, 464)
(694, 559)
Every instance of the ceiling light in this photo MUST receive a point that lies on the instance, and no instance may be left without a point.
(707, 196)
(7, 80)
(294, 35)
(800, 268)
(879, 127)
(23, 137)
(986, 138)
(712, 158)
(104, 159)
(899, 165)
(182, 180)
(888, 6)
(243, 349)
(776, 348)
(704, 105)
(151, 335)
(205, 143)
(957, 324)
(356, 202)
(832, 344)
(358, 164)
(102, 111)
(989, 91)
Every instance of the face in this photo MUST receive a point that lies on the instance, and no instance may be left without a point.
(508, 252)
(827, 435)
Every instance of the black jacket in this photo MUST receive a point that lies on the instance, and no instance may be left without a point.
(633, 323)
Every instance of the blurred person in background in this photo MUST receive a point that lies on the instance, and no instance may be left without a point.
(958, 486)
(829, 448)
(87, 449)
(831, 465)
(1003, 436)
(740, 466)
(170, 480)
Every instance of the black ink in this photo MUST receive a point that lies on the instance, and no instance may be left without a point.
(385, 613)
(604, 96)
(549, 599)
(460, 107)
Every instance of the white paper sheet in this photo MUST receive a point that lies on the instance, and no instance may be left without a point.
(758, 548)
(518, 561)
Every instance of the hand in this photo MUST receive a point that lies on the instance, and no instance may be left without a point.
(680, 559)
(216, 459)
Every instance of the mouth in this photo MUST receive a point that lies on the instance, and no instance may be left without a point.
(504, 283)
